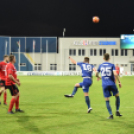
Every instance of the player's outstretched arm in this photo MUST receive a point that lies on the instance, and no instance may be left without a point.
(13, 79)
(72, 60)
(97, 75)
(117, 78)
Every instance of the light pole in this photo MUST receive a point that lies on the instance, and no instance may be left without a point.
(64, 30)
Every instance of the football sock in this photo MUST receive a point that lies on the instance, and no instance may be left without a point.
(5, 97)
(17, 103)
(11, 104)
(109, 107)
(117, 103)
(87, 101)
(74, 91)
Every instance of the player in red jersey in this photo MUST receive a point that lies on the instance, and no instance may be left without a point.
(3, 77)
(11, 82)
(117, 69)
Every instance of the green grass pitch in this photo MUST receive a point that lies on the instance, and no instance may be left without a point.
(47, 111)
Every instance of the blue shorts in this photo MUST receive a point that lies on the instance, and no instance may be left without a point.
(109, 90)
(87, 82)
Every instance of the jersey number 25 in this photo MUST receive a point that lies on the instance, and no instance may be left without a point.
(106, 71)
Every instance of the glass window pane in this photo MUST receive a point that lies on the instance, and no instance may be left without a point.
(83, 52)
(122, 52)
(95, 52)
(70, 51)
(104, 51)
(112, 52)
(79, 52)
(125, 52)
(74, 52)
(100, 52)
(91, 52)
(116, 52)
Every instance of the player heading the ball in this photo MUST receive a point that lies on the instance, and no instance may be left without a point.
(87, 70)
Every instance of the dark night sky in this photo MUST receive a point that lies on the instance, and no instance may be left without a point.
(49, 17)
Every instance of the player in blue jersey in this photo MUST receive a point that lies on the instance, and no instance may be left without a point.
(87, 70)
(108, 75)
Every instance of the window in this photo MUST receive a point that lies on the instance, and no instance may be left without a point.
(95, 52)
(72, 67)
(100, 52)
(133, 52)
(124, 52)
(22, 64)
(72, 52)
(81, 52)
(104, 51)
(91, 52)
(116, 52)
(37, 66)
(53, 66)
(112, 52)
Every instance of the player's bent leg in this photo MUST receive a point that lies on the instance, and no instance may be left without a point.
(117, 103)
(109, 108)
(77, 85)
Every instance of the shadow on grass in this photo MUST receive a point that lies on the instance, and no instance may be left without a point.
(26, 121)
(118, 122)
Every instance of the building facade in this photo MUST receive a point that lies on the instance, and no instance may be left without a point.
(78, 48)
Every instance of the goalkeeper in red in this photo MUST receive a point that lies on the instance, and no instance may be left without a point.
(11, 81)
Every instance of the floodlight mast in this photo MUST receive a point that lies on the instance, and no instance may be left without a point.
(64, 31)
